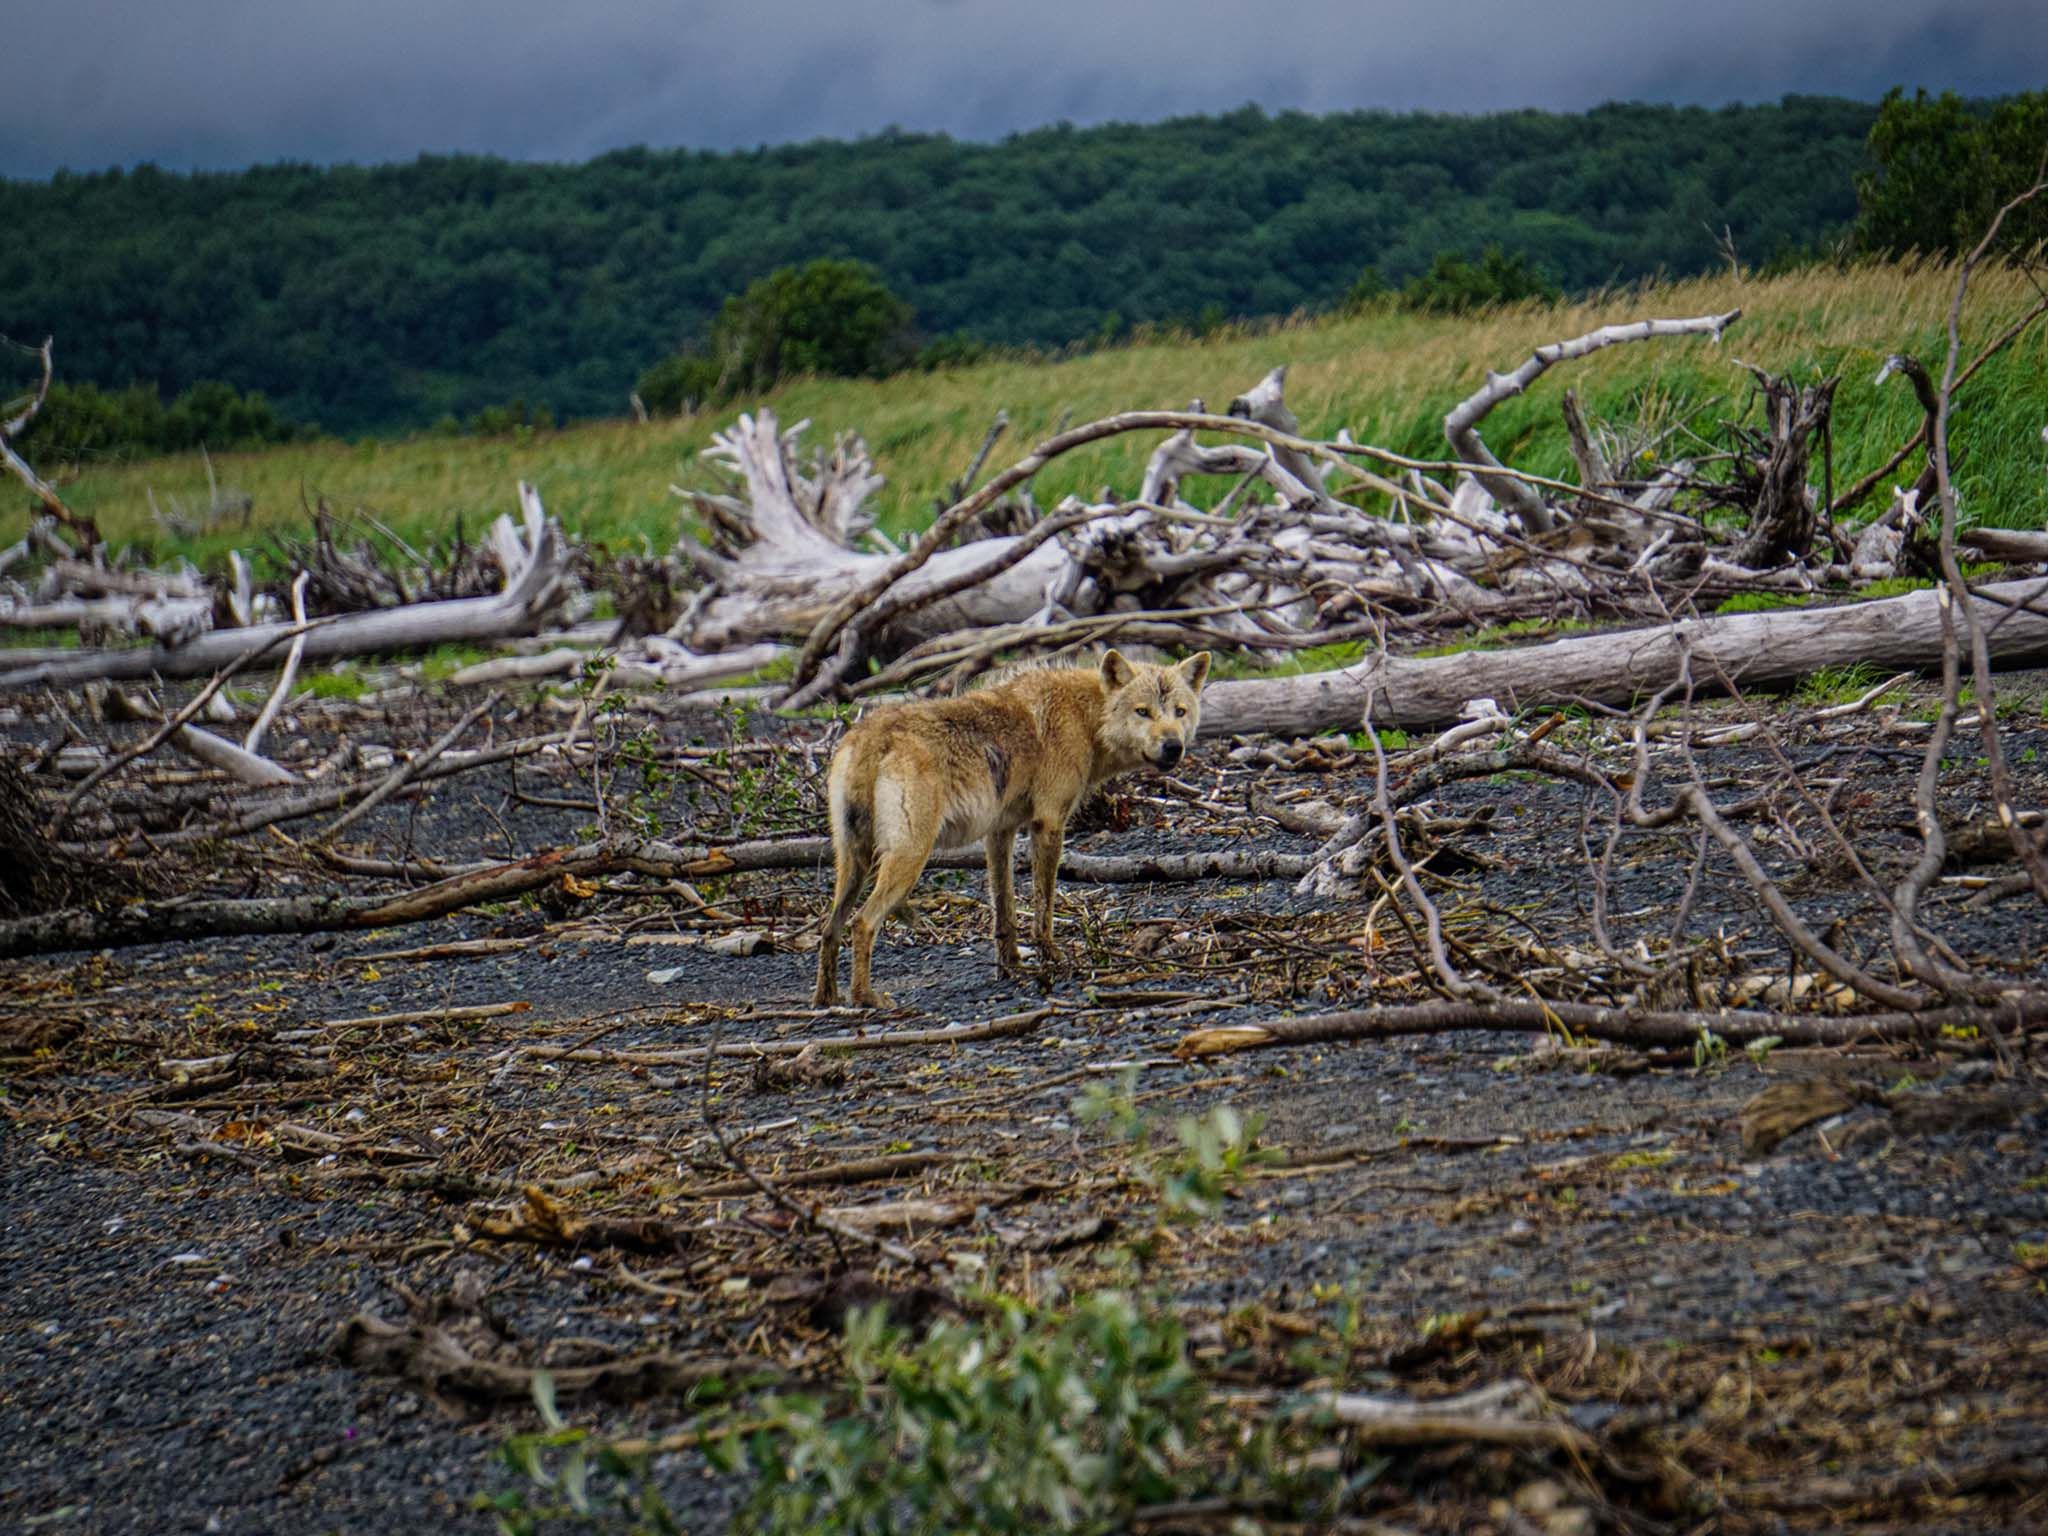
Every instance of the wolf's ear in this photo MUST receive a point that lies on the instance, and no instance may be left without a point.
(1115, 670)
(1195, 670)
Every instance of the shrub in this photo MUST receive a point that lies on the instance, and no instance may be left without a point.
(1455, 286)
(82, 421)
(827, 317)
(1069, 1421)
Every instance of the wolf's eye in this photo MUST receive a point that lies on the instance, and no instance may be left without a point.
(1180, 711)
(1144, 712)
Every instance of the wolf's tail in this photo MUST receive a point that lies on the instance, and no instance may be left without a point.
(853, 828)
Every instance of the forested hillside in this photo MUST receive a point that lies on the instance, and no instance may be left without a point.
(378, 298)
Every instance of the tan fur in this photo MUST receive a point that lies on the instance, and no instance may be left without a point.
(1019, 755)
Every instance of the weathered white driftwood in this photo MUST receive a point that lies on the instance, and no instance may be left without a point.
(788, 554)
(1461, 426)
(533, 589)
(1753, 650)
(655, 663)
(238, 762)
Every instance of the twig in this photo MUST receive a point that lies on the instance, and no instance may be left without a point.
(2002, 787)
(1870, 482)
(1456, 984)
(410, 769)
(253, 742)
(837, 1232)
(40, 488)
(1461, 426)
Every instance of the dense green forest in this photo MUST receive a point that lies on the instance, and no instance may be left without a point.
(390, 297)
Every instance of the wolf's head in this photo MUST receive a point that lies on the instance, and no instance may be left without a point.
(1152, 711)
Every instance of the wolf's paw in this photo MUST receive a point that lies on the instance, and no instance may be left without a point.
(873, 999)
(1010, 965)
(826, 996)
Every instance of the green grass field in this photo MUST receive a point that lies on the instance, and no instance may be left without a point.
(1388, 377)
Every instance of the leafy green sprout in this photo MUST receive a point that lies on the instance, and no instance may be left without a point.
(1209, 1160)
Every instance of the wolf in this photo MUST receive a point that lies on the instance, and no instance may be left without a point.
(1021, 753)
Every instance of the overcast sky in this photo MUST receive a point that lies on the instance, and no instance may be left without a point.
(229, 83)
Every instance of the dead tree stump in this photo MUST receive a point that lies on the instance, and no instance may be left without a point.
(1782, 515)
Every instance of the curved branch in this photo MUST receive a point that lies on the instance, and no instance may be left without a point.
(1461, 426)
(41, 488)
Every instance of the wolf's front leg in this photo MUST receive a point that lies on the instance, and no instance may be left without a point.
(1002, 896)
(1047, 838)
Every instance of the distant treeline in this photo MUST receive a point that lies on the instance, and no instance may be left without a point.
(402, 297)
(82, 421)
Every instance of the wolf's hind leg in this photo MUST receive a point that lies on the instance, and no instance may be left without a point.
(903, 845)
(850, 869)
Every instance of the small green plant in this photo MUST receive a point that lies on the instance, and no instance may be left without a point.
(1392, 739)
(1210, 1159)
(1838, 685)
(763, 792)
(1498, 636)
(335, 683)
(444, 661)
(1069, 1420)
(641, 762)
(1709, 1051)
(1894, 586)
(1645, 1157)
(1760, 1048)
(1216, 1152)
(1331, 657)
(570, 1474)
(1761, 602)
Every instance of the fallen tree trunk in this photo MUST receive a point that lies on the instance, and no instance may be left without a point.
(1650, 1029)
(1754, 650)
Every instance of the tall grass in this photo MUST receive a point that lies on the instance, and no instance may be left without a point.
(1388, 377)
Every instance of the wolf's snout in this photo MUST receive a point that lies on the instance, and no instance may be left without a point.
(1169, 753)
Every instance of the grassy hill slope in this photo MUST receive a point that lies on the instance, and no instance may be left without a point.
(377, 298)
(1388, 377)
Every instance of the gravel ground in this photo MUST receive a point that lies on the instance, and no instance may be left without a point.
(1845, 1331)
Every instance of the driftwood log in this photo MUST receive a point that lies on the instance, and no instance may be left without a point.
(1754, 650)
(533, 588)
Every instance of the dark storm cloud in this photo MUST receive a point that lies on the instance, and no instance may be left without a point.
(234, 82)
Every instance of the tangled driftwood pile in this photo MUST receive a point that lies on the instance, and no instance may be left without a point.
(1314, 541)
